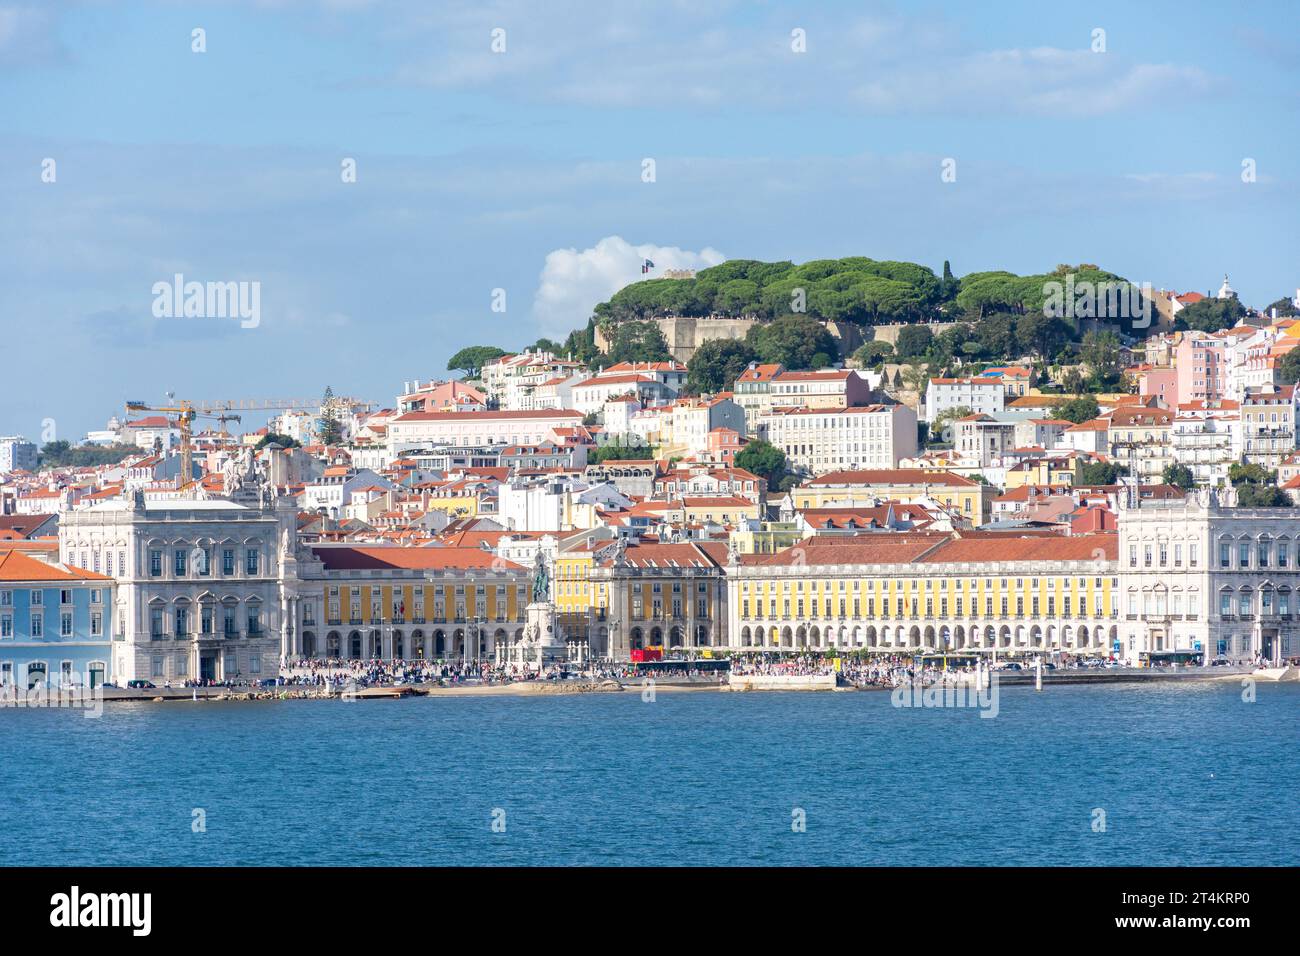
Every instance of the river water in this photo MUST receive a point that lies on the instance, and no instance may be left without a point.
(1160, 774)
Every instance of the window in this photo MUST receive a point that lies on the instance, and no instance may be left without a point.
(250, 562)
(156, 667)
(37, 598)
(96, 623)
(6, 625)
(1225, 604)
(254, 621)
(1225, 555)
(155, 564)
(156, 623)
(180, 561)
(6, 598)
(65, 624)
(65, 597)
(1243, 603)
(1243, 554)
(229, 622)
(38, 626)
(227, 561)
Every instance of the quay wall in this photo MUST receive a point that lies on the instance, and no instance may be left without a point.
(782, 682)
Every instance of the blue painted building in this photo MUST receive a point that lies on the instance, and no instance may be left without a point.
(55, 623)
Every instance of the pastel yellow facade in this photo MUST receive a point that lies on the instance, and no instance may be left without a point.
(924, 592)
(575, 593)
(460, 506)
(1046, 471)
(423, 603)
(914, 597)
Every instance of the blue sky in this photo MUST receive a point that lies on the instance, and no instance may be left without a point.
(522, 170)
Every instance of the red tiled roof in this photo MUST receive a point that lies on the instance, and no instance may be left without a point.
(358, 558)
(893, 476)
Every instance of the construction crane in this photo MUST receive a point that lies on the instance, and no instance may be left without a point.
(327, 406)
(185, 413)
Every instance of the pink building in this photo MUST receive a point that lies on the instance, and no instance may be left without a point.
(1161, 383)
(1201, 361)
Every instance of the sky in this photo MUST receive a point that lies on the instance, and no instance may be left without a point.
(502, 185)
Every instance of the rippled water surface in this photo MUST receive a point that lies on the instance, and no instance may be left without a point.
(1184, 774)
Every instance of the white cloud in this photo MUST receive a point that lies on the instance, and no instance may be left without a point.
(573, 282)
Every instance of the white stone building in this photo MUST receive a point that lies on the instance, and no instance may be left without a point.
(423, 430)
(198, 584)
(1268, 424)
(819, 440)
(1202, 576)
(981, 395)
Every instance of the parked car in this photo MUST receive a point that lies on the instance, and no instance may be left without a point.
(1220, 662)
(141, 685)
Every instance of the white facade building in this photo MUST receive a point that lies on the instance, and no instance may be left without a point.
(819, 440)
(198, 590)
(476, 429)
(17, 452)
(981, 395)
(1202, 575)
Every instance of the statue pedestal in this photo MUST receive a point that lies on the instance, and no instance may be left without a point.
(542, 644)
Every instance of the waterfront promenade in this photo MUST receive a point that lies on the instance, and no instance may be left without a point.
(341, 684)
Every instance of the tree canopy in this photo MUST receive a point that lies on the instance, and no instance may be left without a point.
(471, 359)
(62, 454)
(853, 289)
(638, 342)
(763, 459)
(1079, 409)
(795, 341)
(717, 364)
(1210, 315)
(1101, 473)
(1179, 475)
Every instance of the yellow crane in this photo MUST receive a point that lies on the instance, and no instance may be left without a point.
(185, 413)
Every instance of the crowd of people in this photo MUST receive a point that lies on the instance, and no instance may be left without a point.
(877, 670)
(380, 673)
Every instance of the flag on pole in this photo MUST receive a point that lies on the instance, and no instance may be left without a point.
(646, 266)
